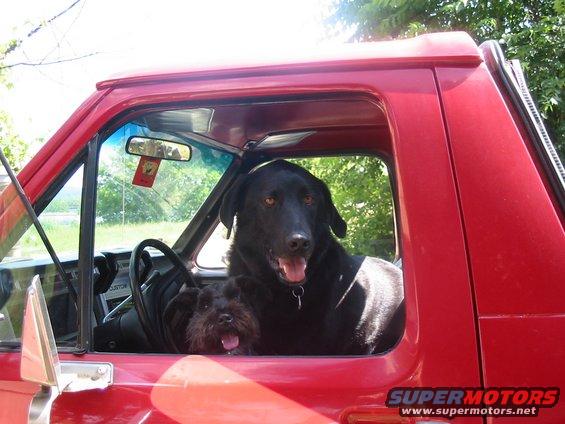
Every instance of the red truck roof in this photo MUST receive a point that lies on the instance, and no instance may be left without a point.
(455, 48)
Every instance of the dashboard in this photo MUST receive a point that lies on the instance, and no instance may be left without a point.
(111, 291)
(111, 287)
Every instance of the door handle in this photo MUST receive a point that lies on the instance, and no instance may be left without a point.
(383, 415)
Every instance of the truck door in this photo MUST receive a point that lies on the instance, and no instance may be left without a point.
(439, 344)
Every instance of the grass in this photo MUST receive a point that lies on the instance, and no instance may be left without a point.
(65, 237)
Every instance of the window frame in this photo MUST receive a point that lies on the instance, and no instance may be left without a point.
(204, 221)
(86, 246)
(529, 115)
(39, 206)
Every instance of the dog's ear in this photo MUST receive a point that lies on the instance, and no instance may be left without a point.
(336, 222)
(253, 290)
(231, 202)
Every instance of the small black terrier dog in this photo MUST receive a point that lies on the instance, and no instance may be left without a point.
(224, 317)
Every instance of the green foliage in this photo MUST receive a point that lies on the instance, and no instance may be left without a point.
(4, 48)
(360, 190)
(65, 237)
(13, 147)
(179, 190)
(64, 205)
(531, 30)
(117, 199)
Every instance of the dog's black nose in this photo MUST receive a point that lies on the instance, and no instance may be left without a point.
(297, 242)
(225, 319)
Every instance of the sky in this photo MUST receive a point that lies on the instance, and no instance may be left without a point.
(125, 35)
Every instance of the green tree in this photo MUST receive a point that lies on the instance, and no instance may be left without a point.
(13, 146)
(179, 189)
(116, 196)
(531, 30)
(361, 192)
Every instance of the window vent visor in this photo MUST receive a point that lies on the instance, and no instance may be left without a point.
(282, 140)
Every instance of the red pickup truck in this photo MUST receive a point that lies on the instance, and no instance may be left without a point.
(476, 224)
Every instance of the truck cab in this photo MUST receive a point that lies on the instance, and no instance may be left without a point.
(475, 220)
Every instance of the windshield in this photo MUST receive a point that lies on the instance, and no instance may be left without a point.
(130, 209)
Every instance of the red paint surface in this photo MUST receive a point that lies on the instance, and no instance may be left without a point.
(515, 237)
(515, 234)
(526, 351)
(455, 48)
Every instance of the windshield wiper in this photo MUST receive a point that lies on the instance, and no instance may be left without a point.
(39, 228)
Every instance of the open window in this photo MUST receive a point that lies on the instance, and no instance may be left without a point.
(342, 140)
(25, 255)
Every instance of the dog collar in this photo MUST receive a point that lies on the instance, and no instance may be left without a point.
(298, 292)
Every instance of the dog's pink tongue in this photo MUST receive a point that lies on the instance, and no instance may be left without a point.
(230, 341)
(294, 268)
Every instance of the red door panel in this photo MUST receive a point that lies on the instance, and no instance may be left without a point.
(526, 351)
(515, 234)
(515, 238)
(439, 345)
(15, 395)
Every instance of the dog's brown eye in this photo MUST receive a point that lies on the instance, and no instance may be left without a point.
(308, 199)
(270, 201)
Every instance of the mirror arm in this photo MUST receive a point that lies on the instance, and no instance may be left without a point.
(39, 361)
(40, 407)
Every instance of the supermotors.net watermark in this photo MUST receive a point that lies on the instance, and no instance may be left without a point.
(471, 401)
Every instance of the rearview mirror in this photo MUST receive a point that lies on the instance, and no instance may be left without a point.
(157, 148)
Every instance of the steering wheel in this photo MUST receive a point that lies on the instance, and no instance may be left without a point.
(147, 323)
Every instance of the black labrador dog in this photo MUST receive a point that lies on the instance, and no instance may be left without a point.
(323, 301)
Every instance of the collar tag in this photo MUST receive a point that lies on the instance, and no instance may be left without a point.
(298, 292)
